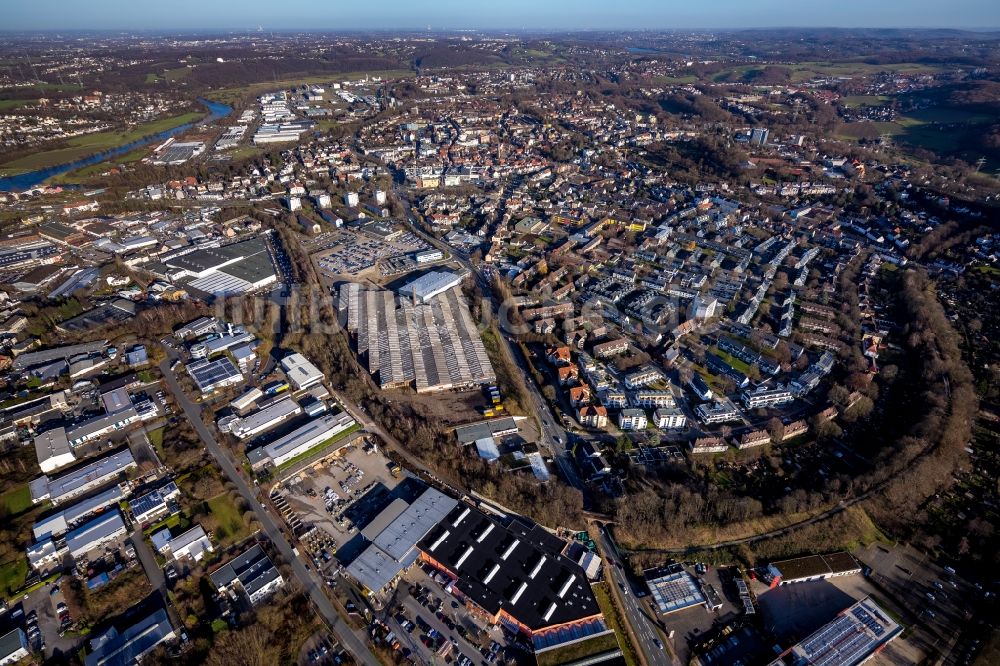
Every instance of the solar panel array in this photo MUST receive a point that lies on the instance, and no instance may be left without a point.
(675, 592)
(849, 639)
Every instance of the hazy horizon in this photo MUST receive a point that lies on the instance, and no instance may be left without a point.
(452, 15)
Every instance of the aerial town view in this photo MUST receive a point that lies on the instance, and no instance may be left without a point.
(548, 333)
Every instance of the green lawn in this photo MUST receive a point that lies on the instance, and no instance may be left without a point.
(88, 144)
(731, 360)
(7, 104)
(98, 169)
(17, 501)
(851, 101)
(578, 651)
(13, 575)
(171, 521)
(231, 525)
(614, 620)
(319, 447)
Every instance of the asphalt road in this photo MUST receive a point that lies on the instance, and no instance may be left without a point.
(148, 561)
(635, 613)
(307, 578)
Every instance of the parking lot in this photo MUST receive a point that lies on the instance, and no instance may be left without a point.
(320, 649)
(796, 610)
(428, 620)
(351, 253)
(44, 618)
(939, 604)
(690, 624)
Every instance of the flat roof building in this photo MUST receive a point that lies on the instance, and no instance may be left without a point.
(81, 480)
(429, 285)
(53, 450)
(126, 647)
(857, 634)
(61, 522)
(96, 533)
(154, 504)
(673, 589)
(265, 419)
(393, 535)
(812, 567)
(213, 375)
(13, 647)
(301, 440)
(193, 543)
(515, 575)
(300, 372)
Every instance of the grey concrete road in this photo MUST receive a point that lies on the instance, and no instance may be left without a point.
(310, 582)
(635, 613)
(148, 561)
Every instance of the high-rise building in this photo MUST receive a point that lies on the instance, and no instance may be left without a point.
(758, 136)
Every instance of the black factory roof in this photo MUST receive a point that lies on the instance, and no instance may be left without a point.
(517, 568)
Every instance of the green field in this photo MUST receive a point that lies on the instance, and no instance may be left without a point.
(82, 146)
(175, 74)
(852, 101)
(15, 502)
(12, 575)
(7, 104)
(805, 71)
(731, 360)
(231, 525)
(578, 651)
(939, 129)
(615, 622)
(98, 169)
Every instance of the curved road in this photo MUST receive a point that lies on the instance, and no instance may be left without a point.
(308, 579)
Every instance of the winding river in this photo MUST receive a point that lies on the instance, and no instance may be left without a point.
(31, 179)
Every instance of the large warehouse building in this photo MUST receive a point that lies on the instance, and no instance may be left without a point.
(229, 270)
(300, 440)
(515, 575)
(81, 480)
(433, 345)
(856, 635)
(811, 567)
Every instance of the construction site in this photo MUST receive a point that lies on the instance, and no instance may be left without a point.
(428, 343)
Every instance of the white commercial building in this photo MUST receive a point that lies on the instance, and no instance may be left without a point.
(429, 285)
(300, 372)
(81, 480)
(301, 440)
(264, 419)
(96, 534)
(59, 523)
(53, 450)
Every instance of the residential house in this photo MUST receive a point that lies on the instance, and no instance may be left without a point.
(632, 419)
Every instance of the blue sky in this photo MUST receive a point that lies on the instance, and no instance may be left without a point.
(489, 14)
